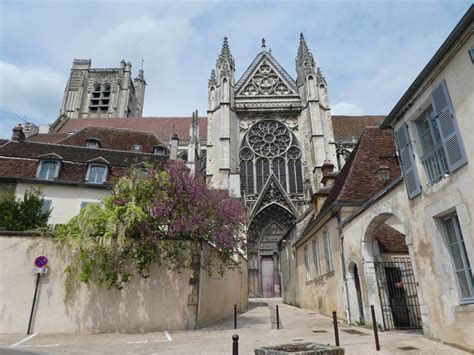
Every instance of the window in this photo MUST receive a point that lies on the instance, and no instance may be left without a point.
(327, 251)
(84, 204)
(100, 98)
(96, 173)
(441, 143)
(433, 158)
(459, 258)
(92, 143)
(48, 169)
(317, 260)
(306, 263)
(46, 206)
(159, 150)
(471, 54)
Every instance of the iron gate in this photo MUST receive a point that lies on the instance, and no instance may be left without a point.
(398, 295)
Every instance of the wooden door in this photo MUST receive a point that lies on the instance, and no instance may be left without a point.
(268, 285)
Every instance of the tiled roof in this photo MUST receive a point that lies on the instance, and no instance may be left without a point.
(350, 128)
(19, 160)
(163, 127)
(390, 240)
(47, 137)
(115, 138)
(358, 180)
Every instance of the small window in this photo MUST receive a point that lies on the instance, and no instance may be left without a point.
(159, 151)
(471, 54)
(84, 204)
(92, 143)
(317, 259)
(46, 206)
(459, 258)
(327, 251)
(96, 174)
(306, 263)
(48, 169)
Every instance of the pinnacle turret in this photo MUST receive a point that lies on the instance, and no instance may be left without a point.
(212, 79)
(304, 57)
(225, 59)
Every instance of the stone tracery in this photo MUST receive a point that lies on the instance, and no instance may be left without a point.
(265, 82)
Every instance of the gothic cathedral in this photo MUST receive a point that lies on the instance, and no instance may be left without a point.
(268, 138)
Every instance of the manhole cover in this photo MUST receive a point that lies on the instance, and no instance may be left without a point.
(353, 331)
(407, 348)
(319, 331)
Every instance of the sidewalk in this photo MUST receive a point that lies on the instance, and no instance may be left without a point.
(255, 329)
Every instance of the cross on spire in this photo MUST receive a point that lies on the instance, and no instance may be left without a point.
(263, 44)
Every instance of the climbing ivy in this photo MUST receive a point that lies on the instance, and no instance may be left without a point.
(151, 217)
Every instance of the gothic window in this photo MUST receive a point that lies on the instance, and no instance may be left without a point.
(246, 170)
(295, 175)
(279, 169)
(269, 146)
(263, 171)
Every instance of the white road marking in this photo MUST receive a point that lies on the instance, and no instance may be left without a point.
(137, 342)
(168, 336)
(22, 341)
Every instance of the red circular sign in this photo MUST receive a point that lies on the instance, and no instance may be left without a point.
(41, 261)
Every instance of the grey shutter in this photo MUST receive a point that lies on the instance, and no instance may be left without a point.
(410, 175)
(448, 128)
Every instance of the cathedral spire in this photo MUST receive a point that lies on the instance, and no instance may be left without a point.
(225, 59)
(304, 57)
(212, 79)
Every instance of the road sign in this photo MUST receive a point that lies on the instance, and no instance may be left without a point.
(41, 261)
(40, 270)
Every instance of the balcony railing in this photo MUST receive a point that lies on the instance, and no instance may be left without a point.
(435, 164)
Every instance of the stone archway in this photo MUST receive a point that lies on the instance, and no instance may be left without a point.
(388, 270)
(265, 231)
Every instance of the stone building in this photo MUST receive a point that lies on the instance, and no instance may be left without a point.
(102, 92)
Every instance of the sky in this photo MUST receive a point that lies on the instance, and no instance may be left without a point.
(369, 51)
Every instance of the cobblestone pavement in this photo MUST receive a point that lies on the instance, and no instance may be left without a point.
(256, 327)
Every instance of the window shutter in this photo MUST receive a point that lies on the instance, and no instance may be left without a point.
(410, 175)
(448, 128)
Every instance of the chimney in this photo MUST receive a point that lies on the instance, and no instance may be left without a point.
(329, 176)
(18, 134)
(174, 147)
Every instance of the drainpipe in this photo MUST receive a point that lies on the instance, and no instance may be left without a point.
(343, 263)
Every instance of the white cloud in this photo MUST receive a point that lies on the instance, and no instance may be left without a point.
(347, 108)
(32, 92)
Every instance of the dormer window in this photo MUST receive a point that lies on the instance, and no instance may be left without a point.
(159, 150)
(92, 143)
(48, 169)
(49, 166)
(96, 173)
(97, 170)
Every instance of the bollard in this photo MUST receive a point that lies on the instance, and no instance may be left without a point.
(235, 344)
(235, 316)
(374, 323)
(336, 330)
(278, 318)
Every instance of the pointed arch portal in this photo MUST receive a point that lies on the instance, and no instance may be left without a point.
(266, 229)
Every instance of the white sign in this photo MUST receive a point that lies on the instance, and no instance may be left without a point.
(40, 270)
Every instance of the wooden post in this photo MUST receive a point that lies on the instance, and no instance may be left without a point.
(374, 323)
(336, 330)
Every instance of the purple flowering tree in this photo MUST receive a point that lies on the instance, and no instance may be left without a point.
(153, 216)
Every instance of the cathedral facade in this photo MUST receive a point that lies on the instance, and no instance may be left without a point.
(268, 138)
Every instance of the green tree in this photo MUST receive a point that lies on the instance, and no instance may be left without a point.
(152, 217)
(22, 214)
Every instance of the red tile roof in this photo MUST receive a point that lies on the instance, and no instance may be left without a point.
(19, 160)
(390, 240)
(47, 137)
(350, 128)
(115, 139)
(358, 180)
(163, 127)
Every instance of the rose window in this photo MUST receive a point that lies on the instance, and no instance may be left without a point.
(269, 138)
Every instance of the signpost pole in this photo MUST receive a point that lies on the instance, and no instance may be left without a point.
(34, 301)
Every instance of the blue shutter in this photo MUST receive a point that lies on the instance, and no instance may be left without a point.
(410, 175)
(448, 128)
